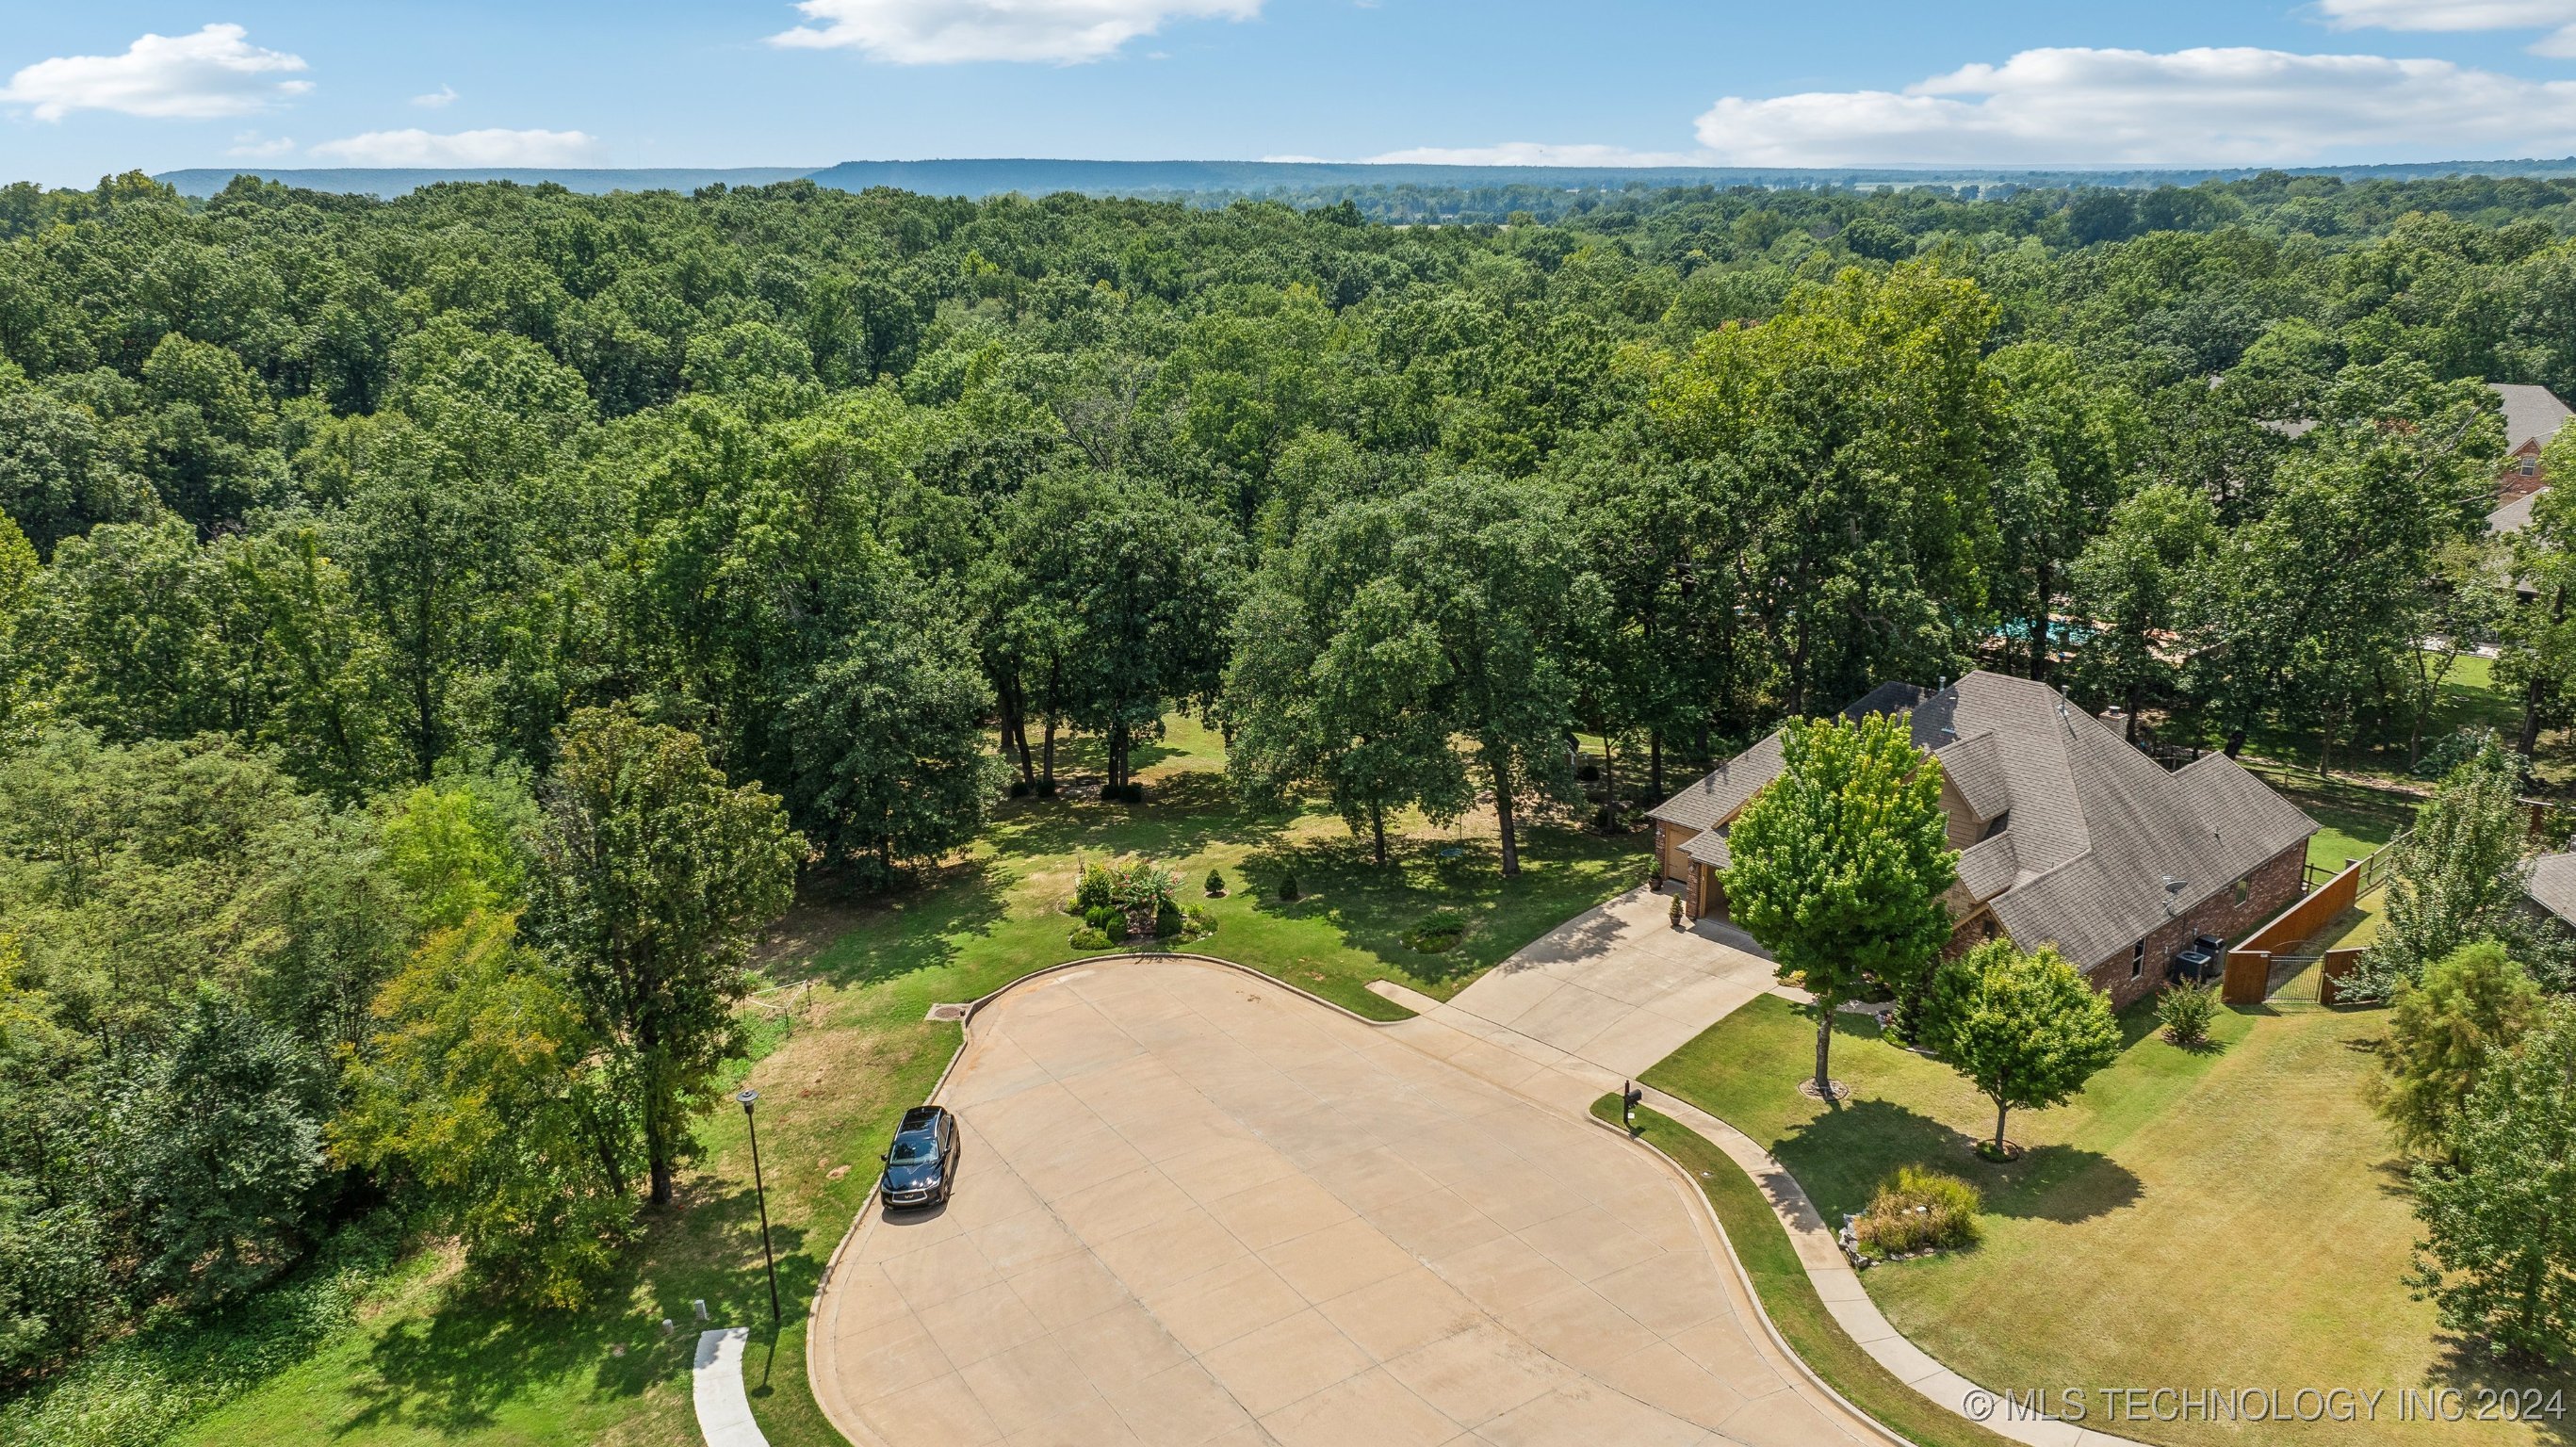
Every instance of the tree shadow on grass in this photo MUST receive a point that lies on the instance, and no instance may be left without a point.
(901, 931)
(1845, 1153)
(1371, 906)
(453, 1370)
(2466, 1367)
(1181, 815)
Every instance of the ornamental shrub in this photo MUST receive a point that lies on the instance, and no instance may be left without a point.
(2185, 1012)
(1919, 1209)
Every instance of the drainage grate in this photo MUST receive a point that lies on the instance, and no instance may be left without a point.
(946, 1012)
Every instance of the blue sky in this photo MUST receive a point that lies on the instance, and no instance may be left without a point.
(87, 89)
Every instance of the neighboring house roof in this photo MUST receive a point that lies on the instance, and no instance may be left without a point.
(2095, 832)
(2531, 414)
(2552, 885)
(2515, 515)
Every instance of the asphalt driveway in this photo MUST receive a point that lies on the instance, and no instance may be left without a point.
(1194, 1207)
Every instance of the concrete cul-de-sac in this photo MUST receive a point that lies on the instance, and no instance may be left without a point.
(1194, 1207)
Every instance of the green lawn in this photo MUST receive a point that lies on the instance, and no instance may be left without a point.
(2225, 1217)
(1789, 1298)
(433, 1363)
(2467, 698)
(2353, 819)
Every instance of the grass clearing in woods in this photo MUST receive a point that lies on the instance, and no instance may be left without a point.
(428, 1362)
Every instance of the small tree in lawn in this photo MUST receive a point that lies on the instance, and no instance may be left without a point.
(2456, 876)
(2499, 1258)
(2025, 1029)
(1841, 861)
(2441, 1036)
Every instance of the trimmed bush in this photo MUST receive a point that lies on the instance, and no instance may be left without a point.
(1288, 889)
(1108, 919)
(2186, 1011)
(1019, 788)
(1094, 889)
(1167, 920)
(1919, 1210)
(1438, 933)
(1087, 938)
(1046, 788)
(1215, 884)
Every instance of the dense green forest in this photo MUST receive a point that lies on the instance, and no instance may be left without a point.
(437, 635)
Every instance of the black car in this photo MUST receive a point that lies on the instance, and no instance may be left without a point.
(921, 1167)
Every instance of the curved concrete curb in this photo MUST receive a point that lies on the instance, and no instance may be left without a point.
(1744, 1279)
(1704, 1214)
(724, 1413)
(965, 1032)
(1831, 1273)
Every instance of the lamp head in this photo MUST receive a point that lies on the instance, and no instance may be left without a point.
(747, 1097)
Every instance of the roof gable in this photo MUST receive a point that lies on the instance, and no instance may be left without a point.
(2101, 844)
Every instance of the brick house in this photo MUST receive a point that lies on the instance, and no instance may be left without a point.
(2068, 835)
(2532, 415)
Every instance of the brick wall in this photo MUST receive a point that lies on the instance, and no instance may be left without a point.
(2269, 890)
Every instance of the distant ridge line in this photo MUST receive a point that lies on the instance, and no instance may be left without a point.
(980, 177)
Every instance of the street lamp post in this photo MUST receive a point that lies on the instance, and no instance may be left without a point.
(759, 1188)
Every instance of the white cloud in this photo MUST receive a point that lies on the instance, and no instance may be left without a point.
(2555, 16)
(2077, 106)
(942, 32)
(444, 95)
(1293, 160)
(215, 72)
(252, 146)
(463, 148)
(1535, 153)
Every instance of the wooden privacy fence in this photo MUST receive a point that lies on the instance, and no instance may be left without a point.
(2247, 975)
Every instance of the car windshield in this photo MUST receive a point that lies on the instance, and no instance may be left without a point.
(914, 1150)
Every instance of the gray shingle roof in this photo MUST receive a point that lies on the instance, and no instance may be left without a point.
(2552, 885)
(1723, 790)
(1989, 866)
(2097, 830)
(2514, 516)
(1976, 769)
(2531, 414)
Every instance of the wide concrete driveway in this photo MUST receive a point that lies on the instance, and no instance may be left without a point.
(1194, 1207)
(1616, 987)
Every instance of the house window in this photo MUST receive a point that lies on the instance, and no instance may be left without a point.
(2244, 889)
(2530, 466)
(2137, 959)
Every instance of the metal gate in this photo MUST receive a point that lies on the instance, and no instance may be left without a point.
(2294, 980)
